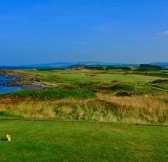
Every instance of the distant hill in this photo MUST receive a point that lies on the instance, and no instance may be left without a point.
(64, 65)
(71, 64)
(162, 64)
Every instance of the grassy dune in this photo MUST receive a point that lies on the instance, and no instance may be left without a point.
(105, 107)
(90, 95)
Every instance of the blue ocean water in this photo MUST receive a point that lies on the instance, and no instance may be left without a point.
(6, 89)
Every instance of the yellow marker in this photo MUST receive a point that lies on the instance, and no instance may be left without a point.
(8, 137)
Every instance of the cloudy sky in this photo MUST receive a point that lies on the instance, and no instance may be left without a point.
(116, 31)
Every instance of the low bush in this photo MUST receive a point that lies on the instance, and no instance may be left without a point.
(52, 94)
(160, 81)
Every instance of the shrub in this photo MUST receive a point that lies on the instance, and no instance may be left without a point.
(52, 94)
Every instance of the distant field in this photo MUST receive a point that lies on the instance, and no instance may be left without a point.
(82, 141)
(71, 76)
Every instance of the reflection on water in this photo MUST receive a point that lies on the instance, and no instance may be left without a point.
(6, 89)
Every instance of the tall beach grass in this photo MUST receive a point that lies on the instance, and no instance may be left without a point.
(106, 108)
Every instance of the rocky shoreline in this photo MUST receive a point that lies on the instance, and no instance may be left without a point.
(24, 82)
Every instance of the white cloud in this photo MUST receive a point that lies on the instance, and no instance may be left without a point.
(165, 33)
(161, 34)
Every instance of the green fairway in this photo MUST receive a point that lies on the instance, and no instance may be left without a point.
(82, 141)
(71, 76)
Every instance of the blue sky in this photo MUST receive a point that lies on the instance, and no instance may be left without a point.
(116, 31)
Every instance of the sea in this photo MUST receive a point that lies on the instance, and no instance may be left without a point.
(6, 89)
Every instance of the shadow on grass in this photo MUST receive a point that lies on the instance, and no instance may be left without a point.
(4, 139)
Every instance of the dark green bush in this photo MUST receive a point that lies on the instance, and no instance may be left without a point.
(52, 94)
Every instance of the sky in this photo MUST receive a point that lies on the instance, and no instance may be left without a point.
(113, 31)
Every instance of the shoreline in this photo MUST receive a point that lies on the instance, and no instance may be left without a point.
(24, 82)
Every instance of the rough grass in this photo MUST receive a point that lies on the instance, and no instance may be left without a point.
(51, 94)
(161, 83)
(143, 108)
(82, 141)
(107, 108)
(75, 99)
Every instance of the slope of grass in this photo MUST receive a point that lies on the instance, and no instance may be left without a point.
(52, 141)
(160, 83)
(51, 94)
(106, 107)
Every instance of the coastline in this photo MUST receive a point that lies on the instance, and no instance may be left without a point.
(24, 82)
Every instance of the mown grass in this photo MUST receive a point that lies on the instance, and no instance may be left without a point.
(82, 141)
(85, 75)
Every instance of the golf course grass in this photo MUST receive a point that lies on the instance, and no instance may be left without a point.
(84, 75)
(82, 141)
(114, 116)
